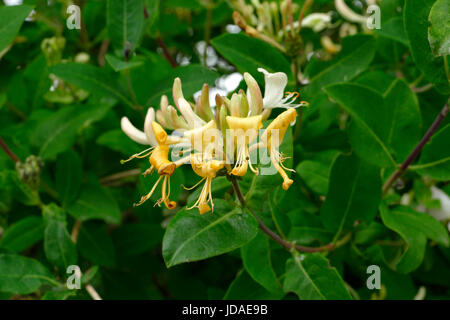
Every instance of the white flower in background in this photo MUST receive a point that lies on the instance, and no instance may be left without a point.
(274, 93)
(443, 213)
(317, 21)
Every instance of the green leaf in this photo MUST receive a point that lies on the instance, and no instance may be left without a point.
(404, 120)
(96, 245)
(119, 65)
(90, 78)
(68, 176)
(435, 158)
(354, 194)
(191, 236)
(248, 54)
(311, 278)
(414, 227)
(369, 130)
(23, 234)
(58, 246)
(125, 21)
(192, 77)
(439, 29)
(118, 141)
(58, 132)
(256, 257)
(95, 203)
(356, 55)
(135, 238)
(416, 15)
(21, 275)
(11, 19)
(394, 29)
(245, 288)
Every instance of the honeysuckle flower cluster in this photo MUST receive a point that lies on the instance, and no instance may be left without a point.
(215, 140)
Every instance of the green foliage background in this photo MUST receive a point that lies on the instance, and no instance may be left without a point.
(368, 110)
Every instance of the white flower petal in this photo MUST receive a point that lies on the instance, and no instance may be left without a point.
(189, 115)
(133, 133)
(149, 118)
(274, 88)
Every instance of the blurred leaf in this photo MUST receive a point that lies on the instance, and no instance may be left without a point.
(356, 55)
(256, 257)
(125, 21)
(369, 130)
(95, 203)
(394, 29)
(191, 237)
(118, 141)
(58, 294)
(96, 245)
(58, 132)
(350, 195)
(439, 30)
(248, 54)
(11, 19)
(135, 238)
(192, 77)
(119, 65)
(245, 288)
(414, 227)
(58, 246)
(21, 275)
(311, 278)
(435, 158)
(416, 16)
(90, 78)
(23, 234)
(68, 176)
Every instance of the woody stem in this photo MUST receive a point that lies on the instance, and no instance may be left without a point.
(285, 244)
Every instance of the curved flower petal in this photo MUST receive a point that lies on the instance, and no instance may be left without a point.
(149, 118)
(274, 91)
(133, 133)
(189, 115)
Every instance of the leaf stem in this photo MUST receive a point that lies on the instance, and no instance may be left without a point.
(8, 151)
(285, 244)
(413, 155)
(166, 52)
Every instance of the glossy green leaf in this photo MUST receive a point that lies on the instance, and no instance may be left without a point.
(125, 21)
(11, 19)
(58, 246)
(435, 158)
(68, 176)
(256, 257)
(90, 78)
(248, 54)
(21, 275)
(350, 195)
(369, 130)
(312, 278)
(414, 227)
(95, 244)
(439, 30)
(95, 202)
(356, 55)
(416, 15)
(405, 127)
(191, 236)
(23, 234)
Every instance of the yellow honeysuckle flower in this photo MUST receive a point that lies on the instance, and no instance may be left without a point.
(208, 171)
(243, 131)
(272, 138)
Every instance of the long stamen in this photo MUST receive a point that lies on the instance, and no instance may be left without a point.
(146, 197)
(195, 186)
(139, 155)
(275, 161)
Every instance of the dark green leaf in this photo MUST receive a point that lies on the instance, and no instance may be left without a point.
(96, 245)
(191, 236)
(312, 278)
(245, 288)
(68, 176)
(11, 19)
(23, 234)
(119, 65)
(136, 238)
(21, 275)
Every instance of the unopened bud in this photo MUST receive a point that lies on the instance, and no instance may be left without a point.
(254, 93)
(177, 91)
